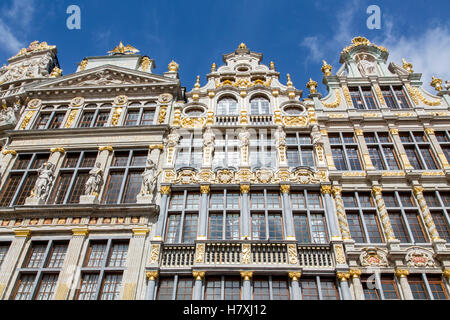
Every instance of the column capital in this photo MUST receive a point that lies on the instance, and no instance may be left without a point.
(198, 275)
(377, 190)
(58, 149)
(343, 276)
(355, 273)
(9, 151)
(156, 146)
(22, 233)
(165, 190)
(337, 190)
(151, 275)
(418, 189)
(429, 130)
(393, 131)
(359, 132)
(245, 188)
(205, 189)
(294, 276)
(285, 188)
(80, 231)
(103, 148)
(140, 231)
(247, 275)
(325, 189)
(401, 273)
(446, 273)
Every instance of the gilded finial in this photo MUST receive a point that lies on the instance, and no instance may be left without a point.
(326, 68)
(312, 85)
(407, 65)
(173, 66)
(197, 83)
(213, 67)
(242, 46)
(121, 49)
(83, 64)
(272, 65)
(436, 83)
(56, 72)
(289, 82)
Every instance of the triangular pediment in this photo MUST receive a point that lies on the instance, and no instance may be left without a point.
(105, 76)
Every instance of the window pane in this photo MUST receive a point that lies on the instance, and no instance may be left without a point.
(437, 288)
(9, 189)
(165, 289)
(258, 227)
(418, 288)
(416, 227)
(355, 226)
(113, 186)
(88, 287)
(232, 227)
(47, 286)
(36, 255)
(329, 290)
(399, 227)
(318, 228)
(26, 188)
(57, 255)
(24, 287)
(216, 226)
(373, 228)
(173, 228)
(309, 289)
(280, 288)
(190, 228)
(184, 288)
(147, 117)
(301, 228)
(132, 118)
(338, 158)
(132, 187)
(118, 255)
(390, 289)
(275, 227)
(111, 286)
(96, 254)
(232, 290)
(213, 288)
(261, 288)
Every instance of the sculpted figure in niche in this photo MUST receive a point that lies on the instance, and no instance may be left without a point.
(280, 137)
(173, 139)
(95, 181)
(208, 138)
(244, 138)
(366, 67)
(149, 178)
(44, 181)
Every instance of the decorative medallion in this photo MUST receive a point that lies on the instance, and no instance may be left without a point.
(225, 176)
(420, 258)
(165, 98)
(77, 102)
(35, 103)
(264, 176)
(120, 100)
(373, 257)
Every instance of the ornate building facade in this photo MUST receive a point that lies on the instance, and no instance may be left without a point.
(118, 184)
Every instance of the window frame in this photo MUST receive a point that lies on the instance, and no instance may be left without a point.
(344, 146)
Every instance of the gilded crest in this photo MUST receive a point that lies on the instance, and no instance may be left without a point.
(373, 257)
(419, 258)
(35, 103)
(77, 102)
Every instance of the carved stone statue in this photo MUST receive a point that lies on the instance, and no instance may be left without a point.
(280, 137)
(44, 181)
(208, 138)
(95, 181)
(149, 178)
(316, 135)
(447, 85)
(366, 67)
(244, 138)
(173, 139)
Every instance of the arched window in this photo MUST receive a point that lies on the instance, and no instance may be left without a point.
(139, 114)
(227, 106)
(259, 106)
(95, 115)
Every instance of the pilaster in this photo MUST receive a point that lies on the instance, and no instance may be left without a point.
(246, 285)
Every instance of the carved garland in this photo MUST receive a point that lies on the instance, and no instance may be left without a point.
(336, 102)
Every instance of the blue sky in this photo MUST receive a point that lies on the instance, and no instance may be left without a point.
(296, 35)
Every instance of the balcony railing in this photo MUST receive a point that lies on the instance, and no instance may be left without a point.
(229, 253)
(261, 120)
(227, 120)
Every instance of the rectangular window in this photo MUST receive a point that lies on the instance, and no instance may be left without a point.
(299, 150)
(229, 285)
(232, 290)
(190, 151)
(280, 288)
(301, 228)
(401, 97)
(262, 150)
(184, 288)
(275, 227)
(382, 151)
(4, 246)
(165, 288)
(309, 289)
(418, 287)
(190, 228)
(258, 226)
(345, 151)
(213, 288)
(437, 287)
(419, 151)
(369, 98)
(261, 289)
(389, 97)
(390, 289)
(356, 98)
(329, 290)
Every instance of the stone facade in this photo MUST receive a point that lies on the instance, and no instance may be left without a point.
(117, 184)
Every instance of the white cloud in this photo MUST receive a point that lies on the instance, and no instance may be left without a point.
(428, 52)
(15, 21)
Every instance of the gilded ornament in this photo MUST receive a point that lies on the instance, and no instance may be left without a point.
(407, 66)
(373, 257)
(289, 82)
(11, 152)
(446, 273)
(339, 252)
(103, 148)
(325, 189)
(246, 275)
(311, 85)
(245, 188)
(193, 122)
(77, 102)
(59, 149)
(198, 275)
(116, 115)
(380, 94)
(140, 231)
(377, 190)
(197, 83)
(348, 98)
(145, 63)
(242, 46)
(83, 64)
(165, 190)
(244, 119)
(343, 276)
(294, 276)
(26, 120)
(355, 273)
(204, 189)
(213, 67)
(429, 131)
(121, 49)
(225, 176)
(173, 66)
(56, 72)
(151, 275)
(295, 121)
(22, 233)
(361, 41)
(401, 273)
(156, 146)
(292, 253)
(285, 188)
(415, 93)
(272, 65)
(35, 46)
(436, 83)
(418, 190)
(326, 68)
(200, 253)
(419, 258)
(120, 100)
(176, 117)
(393, 131)
(246, 254)
(244, 175)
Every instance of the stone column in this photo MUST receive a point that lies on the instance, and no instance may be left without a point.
(56, 155)
(406, 289)
(70, 265)
(296, 292)
(12, 259)
(246, 285)
(151, 283)
(401, 150)
(388, 231)
(437, 148)
(340, 212)
(368, 165)
(288, 218)
(198, 286)
(155, 151)
(165, 191)
(134, 262)
(329, 211)
(203, 213)
(245, 212)
(343, 281)
(356, 282)
(426, 215)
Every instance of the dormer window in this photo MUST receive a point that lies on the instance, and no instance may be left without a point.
(395, 97)
(194, 111)
(227, 106)
(259, 106)
(293, 110)
(357, 94)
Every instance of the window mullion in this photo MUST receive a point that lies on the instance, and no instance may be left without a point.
(72, 181)
(94, 118)
(319, 288)
(394, 96)
(427, 285)
(363, 98)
